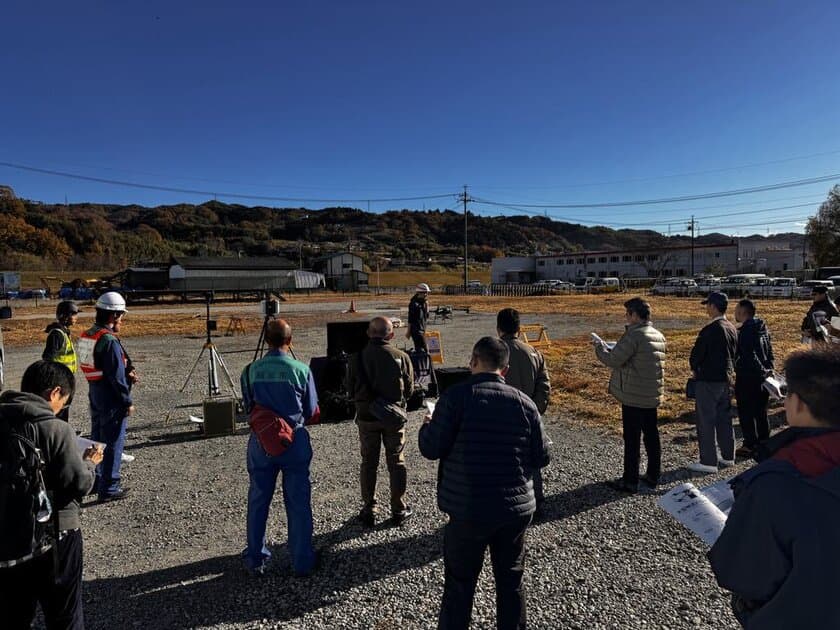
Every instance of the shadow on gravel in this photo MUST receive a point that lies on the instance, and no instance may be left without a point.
(163, 439)
(572, 502)
(219, 591)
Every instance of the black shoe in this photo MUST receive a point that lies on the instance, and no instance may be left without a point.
(367, 518)
(649, 482)
(316, 564)
(398, 518)
(622, 486)
(119, 495)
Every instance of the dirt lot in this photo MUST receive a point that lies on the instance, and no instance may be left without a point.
(167, 557)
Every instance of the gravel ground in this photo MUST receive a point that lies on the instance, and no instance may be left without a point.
(168, 556)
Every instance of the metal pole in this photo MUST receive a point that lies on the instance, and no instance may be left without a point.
(692, 245)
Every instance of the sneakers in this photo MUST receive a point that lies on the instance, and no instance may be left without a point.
(726, 463)
(398, 518)
(744, 451)
(126, 458)
(119, 495)
(702, 468)
(622, 486)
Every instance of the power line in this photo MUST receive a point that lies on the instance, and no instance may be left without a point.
(228, 195)
(670, 176)
(739, 225)
(647, 202)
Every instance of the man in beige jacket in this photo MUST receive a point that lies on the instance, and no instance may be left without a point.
(527, 373)
(638, 382)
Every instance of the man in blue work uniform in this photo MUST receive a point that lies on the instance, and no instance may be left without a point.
(285, 386)
(110, 376)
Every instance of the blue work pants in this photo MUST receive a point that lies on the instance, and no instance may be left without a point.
(110, 429)
(297, 497)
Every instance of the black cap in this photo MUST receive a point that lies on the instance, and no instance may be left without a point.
(717, 299)
(66, 308)
(820, 289)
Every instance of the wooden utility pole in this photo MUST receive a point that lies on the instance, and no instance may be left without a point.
(691, 226)
(465, 198)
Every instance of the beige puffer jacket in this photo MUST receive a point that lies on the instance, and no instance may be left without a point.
(638, 366)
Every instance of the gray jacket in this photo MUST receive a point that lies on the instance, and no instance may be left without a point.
(527, 372)
(638, 364)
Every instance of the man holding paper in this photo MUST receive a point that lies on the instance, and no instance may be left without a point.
(638, 382)
(778, 551)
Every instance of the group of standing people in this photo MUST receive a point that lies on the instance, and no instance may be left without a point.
(49, 570)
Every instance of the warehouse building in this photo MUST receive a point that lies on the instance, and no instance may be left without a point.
(343, 271)
(239, 274)
(630, 263)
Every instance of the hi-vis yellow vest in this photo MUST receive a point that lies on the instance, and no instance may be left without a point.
(68, 354)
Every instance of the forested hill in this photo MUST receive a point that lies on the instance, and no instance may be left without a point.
(92, 236)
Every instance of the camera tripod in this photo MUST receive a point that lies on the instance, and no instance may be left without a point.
(216, 366)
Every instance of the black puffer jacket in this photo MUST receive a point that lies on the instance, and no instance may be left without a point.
(67, 475)
(755, 352)
(489, 438)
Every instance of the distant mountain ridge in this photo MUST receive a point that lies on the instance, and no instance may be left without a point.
(104, 236)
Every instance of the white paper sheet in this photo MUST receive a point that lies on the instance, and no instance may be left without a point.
(695, 511)
(196, 419)
(430, 406)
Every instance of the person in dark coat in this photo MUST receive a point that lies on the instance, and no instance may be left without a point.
(712, 363)
(488, 437)
(823, 304)
(52, 578)
(59, 345)
(418, 315)
(753, 363)
(778, 552)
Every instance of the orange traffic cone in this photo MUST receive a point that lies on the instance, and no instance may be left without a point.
(352, 308)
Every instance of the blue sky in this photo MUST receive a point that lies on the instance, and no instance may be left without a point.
(527, 103)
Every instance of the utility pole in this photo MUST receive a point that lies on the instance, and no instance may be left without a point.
(691, 225)
(465, 198)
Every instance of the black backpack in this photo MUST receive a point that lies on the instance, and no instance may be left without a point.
(29, 524)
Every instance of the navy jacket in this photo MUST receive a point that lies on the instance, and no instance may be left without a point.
(755, 352)
(489, 438)
(713, 354)
(779, 550)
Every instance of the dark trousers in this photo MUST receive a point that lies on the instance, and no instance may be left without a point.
(23, 586)
(638, 422)
(752, 408)
(419, 340)
(373, 435)
(464, 544)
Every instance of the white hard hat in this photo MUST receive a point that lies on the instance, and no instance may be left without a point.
(423, 287)
(111, 301)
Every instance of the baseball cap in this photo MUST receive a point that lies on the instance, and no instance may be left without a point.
(717, 299)
(819, 289)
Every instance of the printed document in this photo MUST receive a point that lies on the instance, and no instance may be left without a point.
(703, 512)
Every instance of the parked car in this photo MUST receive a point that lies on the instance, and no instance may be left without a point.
(707, 284)
(675, 286)
(781, 287)
(741, 284)
(606, 285)
(583, 285)
(806, 289)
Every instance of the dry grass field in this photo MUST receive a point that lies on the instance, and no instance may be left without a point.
(579, 380)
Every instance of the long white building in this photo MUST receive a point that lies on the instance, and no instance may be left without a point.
(646, 263)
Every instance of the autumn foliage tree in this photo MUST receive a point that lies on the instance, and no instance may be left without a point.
(823, 231)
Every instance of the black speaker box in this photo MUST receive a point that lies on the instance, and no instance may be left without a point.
(449, 376)
(346, 337)
(219, 416)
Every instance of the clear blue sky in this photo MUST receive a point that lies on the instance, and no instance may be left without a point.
(532, 102)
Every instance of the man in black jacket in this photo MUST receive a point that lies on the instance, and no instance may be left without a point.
(778, 552)
(488, 437)
(753, 363)
(821, 304)
(45, 389)
(712, 364)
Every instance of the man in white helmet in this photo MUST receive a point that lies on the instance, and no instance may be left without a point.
(110, 376)
(418, 315)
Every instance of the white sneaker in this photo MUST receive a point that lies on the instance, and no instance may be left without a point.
(726, 463)
(127, 458)
(701, 468)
